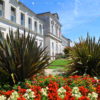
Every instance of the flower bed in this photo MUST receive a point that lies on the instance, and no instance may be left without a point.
(55, 88)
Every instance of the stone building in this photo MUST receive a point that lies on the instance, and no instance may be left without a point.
(65, 42)
(52, 33)
(46, 26)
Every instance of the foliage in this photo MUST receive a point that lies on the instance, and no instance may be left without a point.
(86, 56)
(60, 56)
(20, 57)
(66, 51)
(48, 88)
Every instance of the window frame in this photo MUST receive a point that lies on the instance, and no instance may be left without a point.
(12, 15)
(22, 21)
(30, 23)
(3, 8)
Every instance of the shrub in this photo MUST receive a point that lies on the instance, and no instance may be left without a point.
(67, 51)
(86, 56)
(20, 57)
(59, 56)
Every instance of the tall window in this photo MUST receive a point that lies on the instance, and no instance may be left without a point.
(56, 48)
(56, 30)
(35, 26)
(29, 23)
(59, 32)
(52, 49)
(1, 8)
(22, 19)
(52, 27)
(40, 28)
(13, 14)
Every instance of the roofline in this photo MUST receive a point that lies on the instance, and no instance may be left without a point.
(49, 14)
(19, 2)
(66, 38)
(26, 7)
(43, 13)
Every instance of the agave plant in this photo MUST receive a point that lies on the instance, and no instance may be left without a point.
(20, 57)
(86, 56)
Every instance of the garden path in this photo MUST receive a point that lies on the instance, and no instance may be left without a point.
(52, 72)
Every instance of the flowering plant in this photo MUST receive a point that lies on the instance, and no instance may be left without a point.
(73, 88)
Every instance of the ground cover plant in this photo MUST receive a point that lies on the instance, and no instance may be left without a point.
(48, 88)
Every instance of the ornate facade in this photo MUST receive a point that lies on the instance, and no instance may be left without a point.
(14, 14)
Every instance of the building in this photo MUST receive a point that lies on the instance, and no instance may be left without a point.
(14, 14)
(46, 26)
(65, 42)
(52, 33)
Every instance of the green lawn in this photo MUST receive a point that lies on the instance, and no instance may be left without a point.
(56, 67)
(59, 64)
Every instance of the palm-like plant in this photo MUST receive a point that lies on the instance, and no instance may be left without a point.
(86, 56)
(20, 57)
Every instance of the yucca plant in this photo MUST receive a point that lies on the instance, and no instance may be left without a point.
(86, 56)
(20, 57)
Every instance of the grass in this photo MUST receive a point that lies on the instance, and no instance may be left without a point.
(59, 64)
(55, 67)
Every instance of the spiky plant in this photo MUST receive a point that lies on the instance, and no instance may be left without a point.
(20, 57)
(86, 56)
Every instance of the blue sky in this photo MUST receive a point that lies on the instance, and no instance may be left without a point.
(76, 16)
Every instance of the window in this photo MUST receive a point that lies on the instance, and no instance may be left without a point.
(22, 19)
(13, 14)
(56, 30)
(30, 23)
(40, 28)
(59, 32)
(56, 48)
(35, 26)
(52, 49)
(1, 8)
(52, 27)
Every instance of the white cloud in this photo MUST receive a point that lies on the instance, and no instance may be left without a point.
(33, 3)
(77, 12)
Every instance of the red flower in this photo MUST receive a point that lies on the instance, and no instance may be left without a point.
(67, 88)
(8, 93)
(98, 89)
(83, 98)
(52, 91)
(75, 76)
(69, 96)
(20, 90)
(36, 90)
(21, 98)
(83, 90)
